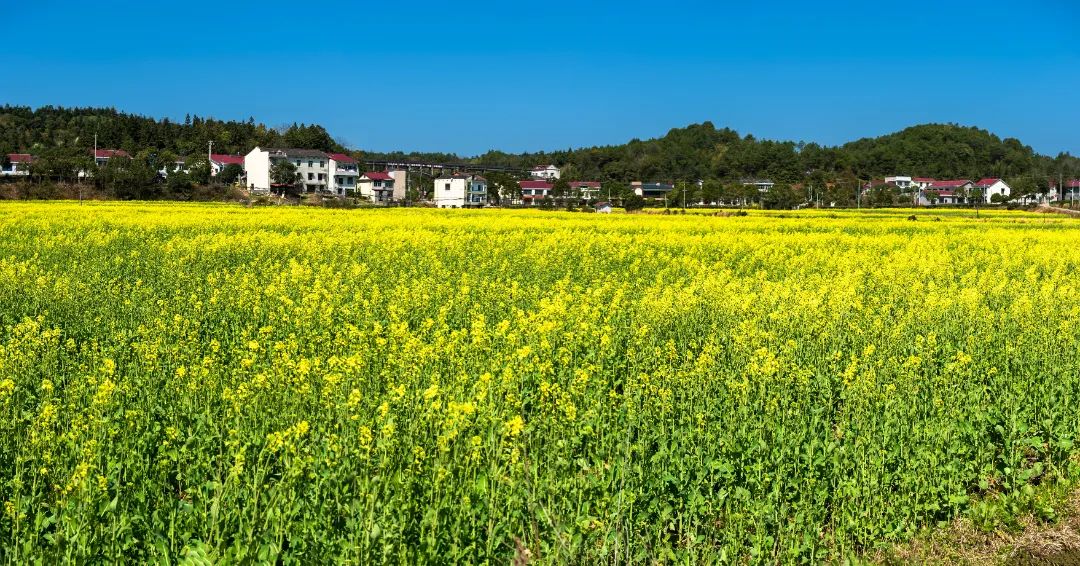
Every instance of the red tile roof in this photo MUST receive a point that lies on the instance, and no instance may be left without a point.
(226, 159)
(581, 184)
(534, 184)
(986, 182)
(342, 158)
(950, 184)
(107, 153)
(20, 157)
(378, 176)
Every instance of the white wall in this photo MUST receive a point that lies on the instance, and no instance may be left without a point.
(257, 168)
(400, 184)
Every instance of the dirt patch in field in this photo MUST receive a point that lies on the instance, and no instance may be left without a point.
(1036, 543)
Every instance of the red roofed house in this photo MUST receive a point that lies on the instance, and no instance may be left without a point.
(19, 164)
(585, 190)
(218, 162)
(991, 186)
(102, 156)
(343, 174)
(532, 192)
(549, 172)
(953, 191)
(1070, 188)
(376, 185)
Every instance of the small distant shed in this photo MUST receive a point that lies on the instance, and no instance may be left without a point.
(603, 207)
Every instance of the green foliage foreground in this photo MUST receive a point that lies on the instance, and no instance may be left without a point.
(312, 386)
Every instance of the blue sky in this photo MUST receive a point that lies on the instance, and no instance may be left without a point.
(466, 77)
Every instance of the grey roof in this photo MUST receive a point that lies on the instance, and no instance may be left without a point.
(297, 152)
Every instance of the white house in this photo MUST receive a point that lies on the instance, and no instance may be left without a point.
(312, 166)
(377, 186)
(460, 191)
(762, 185)
(532, 192)
(901, 181)
(992, 186)
(549, 172)
(219, 161)
(19, 164)
(586, 190)
(952, 191)
(102, 156)
(343, 174)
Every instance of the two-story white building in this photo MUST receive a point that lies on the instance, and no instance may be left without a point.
(900, 181)
(550, 172)
(18, 164)
(585, 190)
(377, 186)
(532, 192)
(991, 186)
(344, 172)
(460, 191)
(312, 166)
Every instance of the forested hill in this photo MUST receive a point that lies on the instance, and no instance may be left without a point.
(699, 151)
(32, 130)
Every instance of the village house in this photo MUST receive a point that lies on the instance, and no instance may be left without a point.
(18, 164)
(1069, 189)
(532, 192)
(377, 186)
(952, 191)
(991, 186)
(549, 172)
(343, 174)
(460, 191)
(585, 190)
(102, 156)
(311, 165)
(651, 190)
(219, 161)
(762, 185)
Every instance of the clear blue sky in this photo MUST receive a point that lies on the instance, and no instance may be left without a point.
(470, 76)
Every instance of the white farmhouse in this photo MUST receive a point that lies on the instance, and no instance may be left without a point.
(19, 164)
(343, 174)
(311, 164)
(992, 186)
(550, 172)
(377, 186)
(460, 191)
(900, 181)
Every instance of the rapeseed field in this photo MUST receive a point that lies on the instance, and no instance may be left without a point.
(312, 386)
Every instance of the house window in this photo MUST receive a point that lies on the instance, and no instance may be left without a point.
(310, 176)
(448, 186)
(322, 164)
(310, 163)
(297, 162)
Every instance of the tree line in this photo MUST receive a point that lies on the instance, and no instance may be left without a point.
(712, 162)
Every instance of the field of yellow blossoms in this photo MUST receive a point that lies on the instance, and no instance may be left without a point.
(308, 386)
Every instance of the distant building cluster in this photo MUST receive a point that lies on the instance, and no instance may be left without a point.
(928, 191)
(270, 169)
